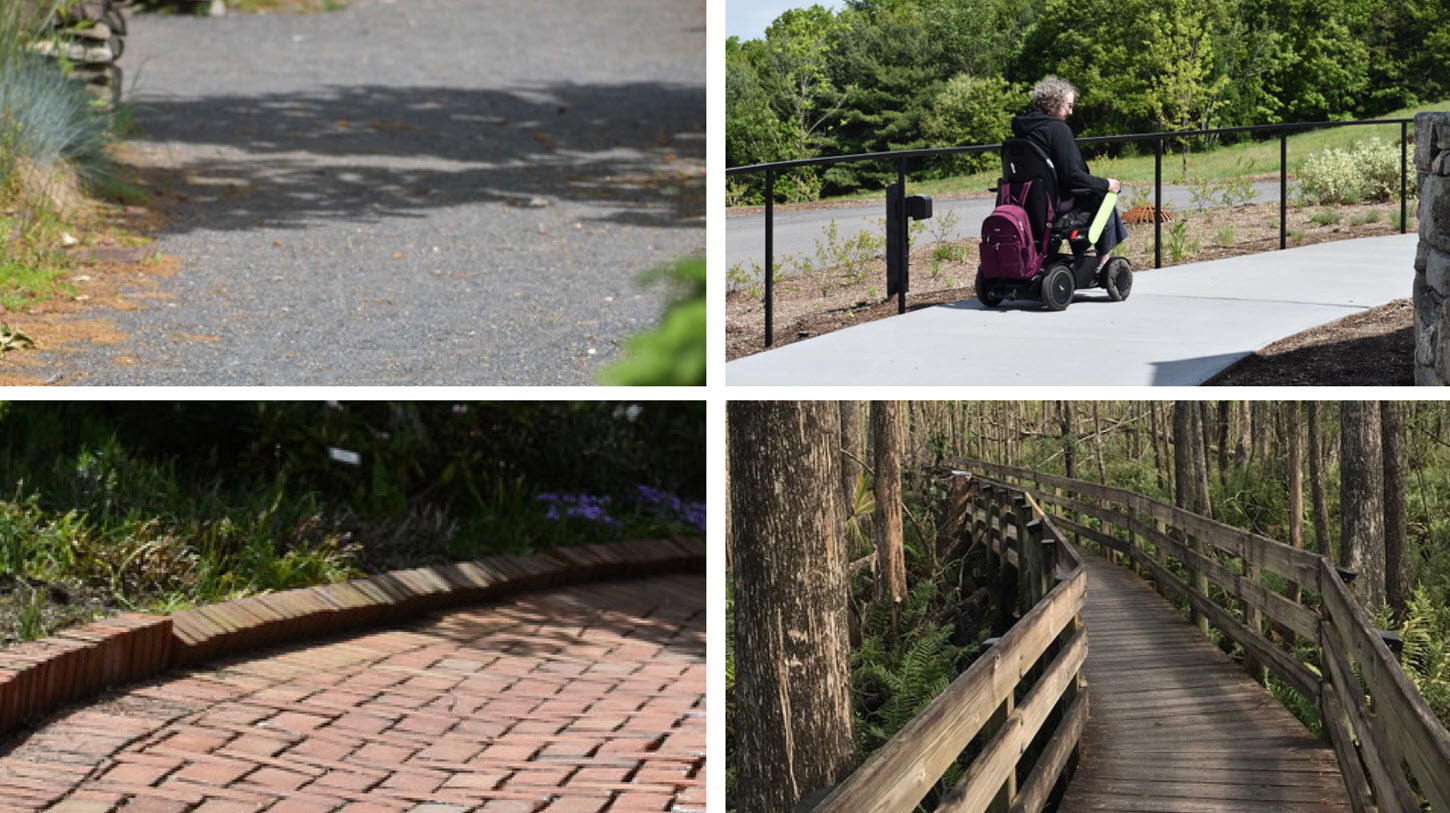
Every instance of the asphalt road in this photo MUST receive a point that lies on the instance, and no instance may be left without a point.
(797, 232)
(411, 192)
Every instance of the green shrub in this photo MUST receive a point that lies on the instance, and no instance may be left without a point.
(1367, 171)
(672, 354)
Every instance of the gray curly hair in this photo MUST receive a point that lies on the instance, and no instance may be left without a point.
(1050, 94)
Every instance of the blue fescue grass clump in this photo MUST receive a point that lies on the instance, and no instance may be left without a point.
(46, 121)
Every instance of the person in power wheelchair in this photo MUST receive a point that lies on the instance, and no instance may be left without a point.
(1043, 165)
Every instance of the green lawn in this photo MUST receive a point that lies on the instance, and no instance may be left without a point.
(1239, 160)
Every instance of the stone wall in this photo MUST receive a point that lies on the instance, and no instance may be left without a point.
(1432, 259)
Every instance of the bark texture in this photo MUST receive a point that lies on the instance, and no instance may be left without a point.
(792, 679)
(1362, 500)
(890, 442)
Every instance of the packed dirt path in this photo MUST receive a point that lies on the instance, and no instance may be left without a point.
(574, 700)
(408, 192)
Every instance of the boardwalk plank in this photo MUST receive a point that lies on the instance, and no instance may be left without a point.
(1177, 727)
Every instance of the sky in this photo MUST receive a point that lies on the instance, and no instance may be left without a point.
(747, 19)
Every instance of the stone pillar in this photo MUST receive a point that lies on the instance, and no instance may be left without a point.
(1432, 259)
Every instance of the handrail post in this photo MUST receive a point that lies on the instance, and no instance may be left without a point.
(1049, 555)
(1029, 555)
(1283, 187)
(1254, 620)
(769, 255)
(905, 241)
(1404, 158)
(1157, 203)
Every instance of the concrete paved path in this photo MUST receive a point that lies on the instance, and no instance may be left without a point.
(1180, 326)
(575, 700)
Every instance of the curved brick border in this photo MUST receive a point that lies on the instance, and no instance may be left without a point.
(39, 676)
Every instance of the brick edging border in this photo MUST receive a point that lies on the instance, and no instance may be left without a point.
(40, 676)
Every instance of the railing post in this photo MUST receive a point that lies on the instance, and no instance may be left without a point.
(1161, 557)
(1157, 203)
(1254, 620)
(1029, 555)
(905, 241)
(1283, 187)
(1404, 158)
(1002, 802)
(1049, 549)
(997, 541)
(769, 255)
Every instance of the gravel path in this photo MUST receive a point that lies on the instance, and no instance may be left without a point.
(412, 192)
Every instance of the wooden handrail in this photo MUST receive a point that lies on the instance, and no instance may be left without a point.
(1045, 648)
(1386, 738)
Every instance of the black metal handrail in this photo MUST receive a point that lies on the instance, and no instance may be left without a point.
(901, 157)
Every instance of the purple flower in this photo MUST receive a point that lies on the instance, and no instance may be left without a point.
(577, 506)
(669, 506)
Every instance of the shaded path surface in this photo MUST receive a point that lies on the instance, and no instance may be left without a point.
(575, 700)
(1176, 726)
(1179, 327)
(411, 192)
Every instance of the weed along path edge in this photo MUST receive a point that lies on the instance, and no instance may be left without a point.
(585, 697)
(429, 192)
(1180, 326)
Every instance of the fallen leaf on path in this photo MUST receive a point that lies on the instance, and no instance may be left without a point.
(12, 339)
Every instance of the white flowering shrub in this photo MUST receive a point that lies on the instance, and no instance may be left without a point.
(1367, 171)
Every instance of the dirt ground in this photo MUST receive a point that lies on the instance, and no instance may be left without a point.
(1374, 348)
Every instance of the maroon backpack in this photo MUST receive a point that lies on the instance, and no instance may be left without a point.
(1008, 251)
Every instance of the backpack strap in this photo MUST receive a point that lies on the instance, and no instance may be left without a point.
(1007, 198)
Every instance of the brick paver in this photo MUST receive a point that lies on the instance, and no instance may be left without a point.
(586, 699)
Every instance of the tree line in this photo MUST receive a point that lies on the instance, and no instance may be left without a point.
(905, 74)
(1364, 483)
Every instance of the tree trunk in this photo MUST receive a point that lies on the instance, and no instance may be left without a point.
(1098, 444)
(1154, 430)
(1397, 574)
(1223, 452)
(1243, 442)
(792, 664)
(1316, 482)
(1362, 500)
(1186, 447)
(1069, 443)
(1201, 456)
(890, 540)
(1296, 482)
(853, 451)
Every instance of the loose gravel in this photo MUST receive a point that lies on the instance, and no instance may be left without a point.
(411, 192)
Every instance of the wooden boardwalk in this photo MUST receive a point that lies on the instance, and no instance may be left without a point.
(1178, 727)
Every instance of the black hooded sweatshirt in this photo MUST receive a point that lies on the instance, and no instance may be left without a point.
(1055, 138)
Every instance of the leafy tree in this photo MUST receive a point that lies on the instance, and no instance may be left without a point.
(972, 110)
(890, 69)
(1324, 67)
(1183, 91)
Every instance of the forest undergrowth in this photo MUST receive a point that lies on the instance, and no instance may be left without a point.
(156, 507)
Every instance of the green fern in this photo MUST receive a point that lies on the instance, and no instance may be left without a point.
(894, 681)
(1426, 657)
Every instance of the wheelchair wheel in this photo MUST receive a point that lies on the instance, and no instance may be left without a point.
(986, 294)
(1058, 287)
(1118, 279)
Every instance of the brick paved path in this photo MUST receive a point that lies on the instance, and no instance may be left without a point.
(574, 700)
